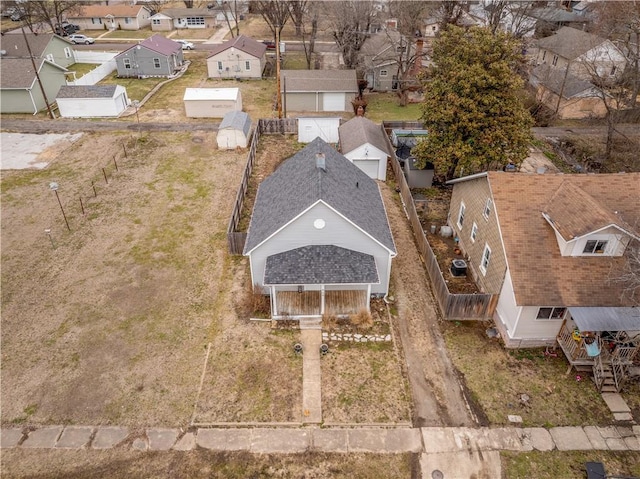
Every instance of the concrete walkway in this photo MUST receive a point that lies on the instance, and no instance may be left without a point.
(455, 452)
(311, 376)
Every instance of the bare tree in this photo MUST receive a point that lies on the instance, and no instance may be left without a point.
(230, 9)
(275, 13)
(509, 15)
(629, 275)
(308, 35)
(188, 3)
(298, 9)
(451, 12)
(350, 24)
(51, 12)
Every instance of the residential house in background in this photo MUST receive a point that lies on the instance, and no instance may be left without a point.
(380, 56)
(19, 88)
(240, 57)
(319, 240)
(156, 56)
(366, 145)
(580, 226)
(189, 18)
(118, 16)
(318, 90)
(580, 54)
(568, 96)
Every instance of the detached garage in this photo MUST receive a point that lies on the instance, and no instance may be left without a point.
(234, 131)
(211, 102)
(366, 145)
(91, 101)
(311, 128)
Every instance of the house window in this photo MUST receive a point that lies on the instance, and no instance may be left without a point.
(220, 66)
(156, 21)
(486, 257)
(127, 20)
(461, 215)
(474, 232)
(96, 20)
(555, 60)
(595, 247)
(156, 63)
(383, 73)
(67, 52)
(247, 65)
(487, 208)
(551, 313)
(127, 63)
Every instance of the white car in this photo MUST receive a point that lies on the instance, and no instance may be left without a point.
(77, 38)
(185, 44)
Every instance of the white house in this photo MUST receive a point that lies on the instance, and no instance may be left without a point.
(190, 18)
(211, 102)
(311, 128)
(319, 240)
(234, 131)
(240, 57)
(92, 101)
(366, 145)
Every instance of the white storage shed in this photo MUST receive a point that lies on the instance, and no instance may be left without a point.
(234, 131)
(211, 102)
(318, 127)
(90, 101)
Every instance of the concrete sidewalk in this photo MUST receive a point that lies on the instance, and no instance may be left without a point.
(311, 340)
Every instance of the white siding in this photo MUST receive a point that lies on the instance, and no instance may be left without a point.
(531, 328)
(230, 138)
(366, 153)
(338, 232)
(507, 310)
(93, 107)
(210, 108)
(234, 65)
(311, 128)
(334, 101)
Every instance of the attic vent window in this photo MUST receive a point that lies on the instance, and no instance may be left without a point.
(319, 224)
(595, 247)
(320, 161)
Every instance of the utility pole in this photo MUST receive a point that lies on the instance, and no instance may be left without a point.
(279, 95)
(35, 69)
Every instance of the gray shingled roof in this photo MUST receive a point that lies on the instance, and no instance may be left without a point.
(18, 72)
(88, 91)
(15, 47)
(242, 43)
(159, 44)
(570, 43)
(557, 80)
(298, 183)
(556, 15)
(237, 120)
(320, 264)
(318, 80)
(189, 12)
(360, 130)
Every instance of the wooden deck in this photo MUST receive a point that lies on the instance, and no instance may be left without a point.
(576, 353)
(308, 303)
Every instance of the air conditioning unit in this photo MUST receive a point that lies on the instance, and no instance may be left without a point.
(459, 267)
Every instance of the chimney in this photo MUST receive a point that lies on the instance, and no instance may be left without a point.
(320, 163)
(417, 64)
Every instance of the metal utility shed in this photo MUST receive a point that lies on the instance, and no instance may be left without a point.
(211, 102)
(234, 131)
(90, 101)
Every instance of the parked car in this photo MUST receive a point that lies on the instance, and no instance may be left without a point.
(17, 16)
(77, 38)
(271, 45)
(185, 44)
(66, 29)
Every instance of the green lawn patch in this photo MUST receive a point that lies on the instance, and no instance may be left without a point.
(137, 88)
(119, 34)
(386, 107)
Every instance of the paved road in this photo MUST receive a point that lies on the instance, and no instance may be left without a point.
(624, 128)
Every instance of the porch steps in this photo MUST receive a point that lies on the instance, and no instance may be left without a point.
(311, 323)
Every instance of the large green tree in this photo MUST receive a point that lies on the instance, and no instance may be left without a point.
(471, 109)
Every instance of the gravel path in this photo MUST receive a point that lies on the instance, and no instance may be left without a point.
(63, 126)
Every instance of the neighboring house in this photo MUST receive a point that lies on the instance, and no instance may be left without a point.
(404, 140)
(552, 18)
(549, 245)
(319, 240)
(234, 131)
(580, 54)
(240, 57)
(318, 90)
(211, 102)
(567, 95)
(119, 16)
(310, 128)
(366, 145)
(91, 101)
(156, 56)
(179, 18)
(19, 88)
(379, 56)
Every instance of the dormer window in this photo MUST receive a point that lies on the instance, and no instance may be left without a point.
(595, 247)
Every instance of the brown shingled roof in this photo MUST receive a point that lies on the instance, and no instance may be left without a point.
(117, 10)
(15, 46)
(540, 275)
(242, 43)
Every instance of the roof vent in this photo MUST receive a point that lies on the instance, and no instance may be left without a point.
(320, 161)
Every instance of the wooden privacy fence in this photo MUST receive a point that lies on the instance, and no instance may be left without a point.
(452, 306)
(235, 238)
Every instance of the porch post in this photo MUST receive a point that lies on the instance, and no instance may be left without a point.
(274, 304)
(322, 299)
(368, 296)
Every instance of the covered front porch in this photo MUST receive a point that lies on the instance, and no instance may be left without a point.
(601, 341)
(294, 304)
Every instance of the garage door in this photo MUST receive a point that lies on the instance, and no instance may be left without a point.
(333, 101)
(370, 167)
